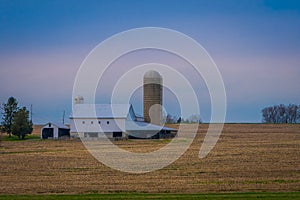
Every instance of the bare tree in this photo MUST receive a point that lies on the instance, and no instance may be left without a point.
(281, 114)
(194, 119)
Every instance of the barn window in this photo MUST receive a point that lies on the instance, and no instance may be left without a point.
(117, 134)
(107, 122)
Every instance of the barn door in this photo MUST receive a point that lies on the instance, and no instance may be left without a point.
(47, 132)
(117, 134)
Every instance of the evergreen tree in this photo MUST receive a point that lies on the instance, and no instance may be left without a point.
(8, 111)
(21, 124)
(179, 120)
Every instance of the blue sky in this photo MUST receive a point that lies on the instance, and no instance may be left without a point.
(255, 44)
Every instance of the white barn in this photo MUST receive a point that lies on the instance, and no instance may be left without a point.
(54, 131)
(112, 121)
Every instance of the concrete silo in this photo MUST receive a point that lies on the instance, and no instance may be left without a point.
(153, 97)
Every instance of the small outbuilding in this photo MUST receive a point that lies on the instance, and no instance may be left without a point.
(54, 131)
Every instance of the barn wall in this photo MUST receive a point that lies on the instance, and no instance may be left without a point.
(55, 132)
(95, 135)
(92, 125)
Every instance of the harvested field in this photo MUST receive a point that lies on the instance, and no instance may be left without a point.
(247, 158)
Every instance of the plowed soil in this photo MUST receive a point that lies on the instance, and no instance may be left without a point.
(247, 157)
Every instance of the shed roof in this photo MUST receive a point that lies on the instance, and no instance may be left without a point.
(57, 124)
(100, 110)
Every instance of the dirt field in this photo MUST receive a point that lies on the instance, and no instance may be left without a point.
(247, 157)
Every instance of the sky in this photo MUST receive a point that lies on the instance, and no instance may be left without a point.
(254, 43)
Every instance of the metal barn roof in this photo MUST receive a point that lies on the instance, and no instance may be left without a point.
(100, 110)
(57, 124)
(145, 126)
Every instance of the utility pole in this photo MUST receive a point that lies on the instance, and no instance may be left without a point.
(63, 120)
(31, 112)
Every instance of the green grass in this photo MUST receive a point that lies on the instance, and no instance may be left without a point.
(248, 182)
(261, 195)
(16, 138)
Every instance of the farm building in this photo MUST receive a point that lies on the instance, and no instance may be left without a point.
(112, 121)
(54, 130)
(120, 120)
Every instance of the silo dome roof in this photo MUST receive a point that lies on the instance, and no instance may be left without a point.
(152, 74)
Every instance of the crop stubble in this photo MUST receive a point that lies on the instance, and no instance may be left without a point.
(247, 157)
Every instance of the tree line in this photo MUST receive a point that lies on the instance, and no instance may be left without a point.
(281, 114)
(15, 120)
(169, 119)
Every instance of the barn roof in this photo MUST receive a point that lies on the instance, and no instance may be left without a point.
(57, 124)
(100, 110)
(142, 126)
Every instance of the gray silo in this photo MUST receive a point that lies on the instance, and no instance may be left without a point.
(153, 97)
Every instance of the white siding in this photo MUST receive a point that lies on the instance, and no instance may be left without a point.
(91, 125)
